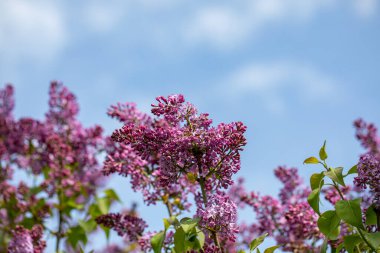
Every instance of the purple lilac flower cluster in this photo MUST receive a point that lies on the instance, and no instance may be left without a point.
(27, 241)
(175, 154)
(288, 219)
(220, 214)
(124, 224)
(57, 152)
(369, 176)
(369, 163)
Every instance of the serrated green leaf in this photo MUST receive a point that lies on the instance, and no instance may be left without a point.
(335, 174)
(311, 160)
(316, 180)
(328, 224)
(157, 241)
(350, 242)
(322, 152)
(272, 249)
(370, 216)
(350, 212)
(313, 200)
(257, 241)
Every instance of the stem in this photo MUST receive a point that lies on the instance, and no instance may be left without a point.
(60, 214)
(59, 232)
(202, 183)
(366, 241)
(204, 196)
(340, 193)
(169, 208)
(378, 219)
(335, 184)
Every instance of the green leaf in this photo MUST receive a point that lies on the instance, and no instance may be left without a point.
(73, 204)
(350, 212)
(353, 170)
(188, 224)
(340, 247)
(94, 211)
(373, 239)
(257, 241)
(104, 205)
(350, 242)
(316, 180)
(88, 226)
(336, 175)
(313, 200)
(311, 160)
(200, 238)
(75, 235)
(112, 195)
(328, 224)
(179, 240)
(370, 216)
(272, 249)
(157, 241)
(322, 152)
(166, 223)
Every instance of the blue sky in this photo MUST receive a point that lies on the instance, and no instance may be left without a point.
(296, 72)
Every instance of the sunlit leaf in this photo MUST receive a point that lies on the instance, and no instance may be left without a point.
(313, 200)
(336, 175)
(322, 152)
(328, 224)
(311, 160)
(257, 241)
(350, 212)
(157, 241)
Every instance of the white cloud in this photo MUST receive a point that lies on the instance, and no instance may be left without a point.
(33, 30)
(365, 8)
(227, 25)
(270, 80)
(103, 16)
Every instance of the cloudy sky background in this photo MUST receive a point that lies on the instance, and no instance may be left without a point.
(296, 72)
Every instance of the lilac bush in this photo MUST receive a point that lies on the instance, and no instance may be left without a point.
(59, 157)
(51, 173)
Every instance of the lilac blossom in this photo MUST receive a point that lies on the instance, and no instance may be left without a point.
(220, 215)
(288, 219)
(369, 176)
(124, 224)
(366, 133)
(27, 241)
(58, 152)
